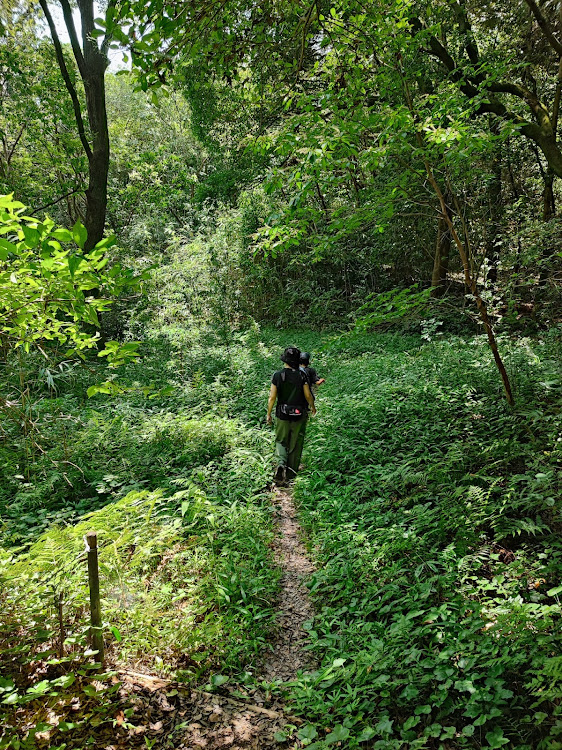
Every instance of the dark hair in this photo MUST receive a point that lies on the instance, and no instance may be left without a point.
(305, 358)
(291, 356)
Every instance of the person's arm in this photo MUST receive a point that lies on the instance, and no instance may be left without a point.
(271, 402)
(309, 399)
(316, 380)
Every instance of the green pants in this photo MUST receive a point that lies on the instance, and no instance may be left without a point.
(289, 441)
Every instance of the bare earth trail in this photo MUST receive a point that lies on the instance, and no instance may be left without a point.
(239, 718)
(295, 608)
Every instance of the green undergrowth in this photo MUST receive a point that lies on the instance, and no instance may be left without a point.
(177, 490)
(433, 511)
(187, 588)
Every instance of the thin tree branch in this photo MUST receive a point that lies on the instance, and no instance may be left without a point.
(15, 143)
(465, 27)
(66, 78)
(58, 200)
(306, 24)
(107, 39)
(71, 28)
(545, 27)
(493, 106)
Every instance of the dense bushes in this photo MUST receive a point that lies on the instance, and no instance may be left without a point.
(433, 510)
(177, 493)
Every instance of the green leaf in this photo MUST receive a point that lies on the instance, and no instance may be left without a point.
(79, 234)
(465, 686)
(11, 699)
(106, 243)
(338, 733)
(6, 247)
(384, 726)
(114, 630)
(495, 738)
(367, 734)
(307, 733)
(434, 730)
(411, 721)
(219, 679)
(64, 235)
(40, 688)
(65, 726)
(41, 727)
(73, 262)
(448, 733)
(31, 236)
(7, 201)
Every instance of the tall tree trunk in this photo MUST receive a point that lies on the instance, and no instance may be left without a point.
(470, 282)
(493, 228)
(548, 203)
(441, 259)
(91, 61)
(548, 213)
(96, 194)
(464, 250)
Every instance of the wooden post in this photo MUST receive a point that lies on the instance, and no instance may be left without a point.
(95, 605)
(59, 602)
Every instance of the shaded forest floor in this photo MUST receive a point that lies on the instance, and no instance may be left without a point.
(432, 513)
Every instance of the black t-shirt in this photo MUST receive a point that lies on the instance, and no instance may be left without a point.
(312, 378)
(290, 391)
(311, 375)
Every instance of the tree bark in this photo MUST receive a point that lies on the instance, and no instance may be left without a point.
(548, 204)
(493, 229)
(442, 254)
(95, 64)
(96, 194)
(91, 61)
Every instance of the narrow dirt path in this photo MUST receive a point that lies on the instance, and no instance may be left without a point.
(295, 608)
(238, 718)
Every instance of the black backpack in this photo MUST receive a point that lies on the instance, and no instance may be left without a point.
(294, 411)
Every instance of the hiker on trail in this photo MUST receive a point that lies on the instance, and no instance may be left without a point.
(290, 388)
(311, 374)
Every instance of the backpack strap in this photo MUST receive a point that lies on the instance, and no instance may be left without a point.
(303, 375)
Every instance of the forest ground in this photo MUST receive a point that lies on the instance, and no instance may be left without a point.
(431, 511)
